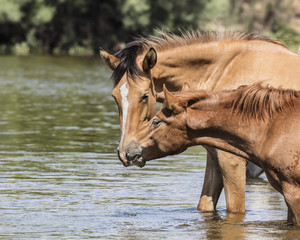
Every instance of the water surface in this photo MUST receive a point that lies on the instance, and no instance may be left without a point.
(61, 179)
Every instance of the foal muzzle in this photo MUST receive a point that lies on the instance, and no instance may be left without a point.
(134, 154)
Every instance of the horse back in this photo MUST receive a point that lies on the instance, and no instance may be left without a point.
(278, 68)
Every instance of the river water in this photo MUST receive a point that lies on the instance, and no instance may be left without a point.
(61, 179)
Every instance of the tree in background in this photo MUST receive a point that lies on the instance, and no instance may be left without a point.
(58, 26)
(278, 18)
(80, 27)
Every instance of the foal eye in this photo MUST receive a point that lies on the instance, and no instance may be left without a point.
(155, 122)
(144, 98)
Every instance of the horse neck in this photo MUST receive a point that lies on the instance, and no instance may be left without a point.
(227, 131)
(207, 65)
(200, 65)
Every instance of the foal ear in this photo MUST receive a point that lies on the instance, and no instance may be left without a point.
(111, 61)
(150, 60)
(170, 101)
(185, 87)
(169, 97)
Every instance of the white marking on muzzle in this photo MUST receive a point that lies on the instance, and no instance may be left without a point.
(125, 105)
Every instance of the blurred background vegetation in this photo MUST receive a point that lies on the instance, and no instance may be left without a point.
(80, 27)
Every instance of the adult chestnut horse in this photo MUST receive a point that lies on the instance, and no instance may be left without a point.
(259, 124)
(210, 61)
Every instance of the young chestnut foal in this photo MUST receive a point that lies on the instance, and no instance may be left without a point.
(260, 124)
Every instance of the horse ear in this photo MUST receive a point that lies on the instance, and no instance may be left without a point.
(150, 60)
(111, 61)
(170, 101)
(185, 87)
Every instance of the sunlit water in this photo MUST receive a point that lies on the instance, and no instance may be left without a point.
(61, 179)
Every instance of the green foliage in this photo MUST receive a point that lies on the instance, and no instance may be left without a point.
(21, 49)
(10, 11)
(175, 15)
(80, 51)
(3, 49)
(219, 9)
(136, 14)
(43, 14)
(287, 35)
(80, 27)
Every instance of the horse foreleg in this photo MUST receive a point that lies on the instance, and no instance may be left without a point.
(290, 215)
(233, 171)
(213, 183)
(291, 195)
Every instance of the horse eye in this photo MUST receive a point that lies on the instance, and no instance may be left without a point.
(144, 98)
(155, 122)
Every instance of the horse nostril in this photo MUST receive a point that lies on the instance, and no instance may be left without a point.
(129, 157)
(133, 156)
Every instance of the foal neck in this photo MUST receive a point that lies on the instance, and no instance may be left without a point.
(214, 124)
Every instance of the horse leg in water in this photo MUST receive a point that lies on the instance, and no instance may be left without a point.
(233, 170)
(234, 178)
(213, 183)
(291, 194)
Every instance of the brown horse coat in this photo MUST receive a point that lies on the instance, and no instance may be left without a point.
(259, 124)
(209, 61)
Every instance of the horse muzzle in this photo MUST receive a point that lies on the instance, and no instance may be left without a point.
(134, 154)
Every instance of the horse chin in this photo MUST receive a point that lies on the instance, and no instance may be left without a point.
(139, 162)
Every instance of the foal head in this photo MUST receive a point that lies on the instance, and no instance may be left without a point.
(167, 133)
(192, 118)
(133, 89)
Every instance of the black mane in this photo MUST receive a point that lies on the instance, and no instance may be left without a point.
(128, 64)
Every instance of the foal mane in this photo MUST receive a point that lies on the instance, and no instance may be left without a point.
(165, 41)
(260, 103)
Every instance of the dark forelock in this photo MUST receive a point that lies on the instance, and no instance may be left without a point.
(128, 64)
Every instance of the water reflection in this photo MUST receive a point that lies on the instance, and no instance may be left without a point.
(60, 176)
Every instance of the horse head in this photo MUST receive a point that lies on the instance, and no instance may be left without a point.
(133, 89)
(165, 134)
